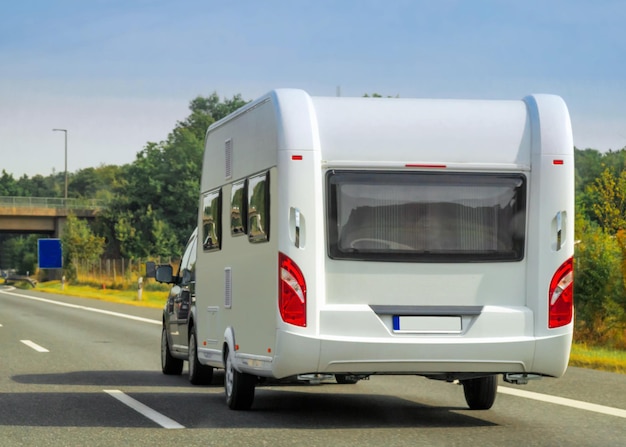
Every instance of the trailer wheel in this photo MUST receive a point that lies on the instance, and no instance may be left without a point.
(346, 379)
(169, 364)
(239, 386)
(199, 374)
(480, 393)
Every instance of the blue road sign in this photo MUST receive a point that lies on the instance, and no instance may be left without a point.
(49, 253)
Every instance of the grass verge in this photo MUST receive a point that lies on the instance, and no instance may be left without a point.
(149, 298)
(598, 358)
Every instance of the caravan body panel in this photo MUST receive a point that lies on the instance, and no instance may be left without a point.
(427, 233)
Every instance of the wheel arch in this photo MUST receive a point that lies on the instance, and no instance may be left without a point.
(229, 342)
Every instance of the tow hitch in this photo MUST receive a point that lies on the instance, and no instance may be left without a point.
(520, 379)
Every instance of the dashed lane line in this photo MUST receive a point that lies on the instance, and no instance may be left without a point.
(144, 410)
(34, 346)
(617, 412)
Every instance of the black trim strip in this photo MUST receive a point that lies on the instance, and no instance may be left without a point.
(438, 311)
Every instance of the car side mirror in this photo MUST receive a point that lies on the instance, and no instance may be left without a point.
(164, 273)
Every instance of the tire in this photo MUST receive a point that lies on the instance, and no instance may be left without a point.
(199, 374)
(480, 393)
(169, 365)
(345, 379)
(239, 387)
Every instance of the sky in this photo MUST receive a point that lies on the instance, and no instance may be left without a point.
(118, 74)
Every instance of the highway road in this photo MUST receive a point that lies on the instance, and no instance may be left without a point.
(79, 372)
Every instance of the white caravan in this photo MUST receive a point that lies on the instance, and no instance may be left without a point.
(359, 236)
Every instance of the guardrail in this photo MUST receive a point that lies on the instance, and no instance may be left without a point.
(16, 278)
(51, 202)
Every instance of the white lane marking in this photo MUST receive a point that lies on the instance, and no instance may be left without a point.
(144, 410)
(90, 309)
(504, 390)
(564, 401)
(35, 346)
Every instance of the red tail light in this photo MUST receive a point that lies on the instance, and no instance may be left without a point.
(291, 292)
(561, 296)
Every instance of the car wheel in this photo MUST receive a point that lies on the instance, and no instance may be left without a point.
(346, 379)
(199, 374)
(169, 364)
(239, 387)
(480, 393)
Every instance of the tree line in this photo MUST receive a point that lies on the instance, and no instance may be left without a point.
(151, 202)
(600, 254)
(152, 206)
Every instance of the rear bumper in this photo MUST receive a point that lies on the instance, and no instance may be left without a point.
(506, 356)
(298, 354)
(495, 342)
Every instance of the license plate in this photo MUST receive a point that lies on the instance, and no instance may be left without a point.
(426, 324)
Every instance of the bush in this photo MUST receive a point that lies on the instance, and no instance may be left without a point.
(599, 288)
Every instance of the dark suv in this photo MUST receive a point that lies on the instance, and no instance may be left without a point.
(178, 338)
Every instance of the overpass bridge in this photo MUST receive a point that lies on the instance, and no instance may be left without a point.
(43, 215)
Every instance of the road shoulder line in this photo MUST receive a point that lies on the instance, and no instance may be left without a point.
(611, 411)
(90, 309)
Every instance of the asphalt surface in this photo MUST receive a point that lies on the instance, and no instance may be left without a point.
(79, 372)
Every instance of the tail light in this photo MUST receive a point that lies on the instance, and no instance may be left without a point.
(291, 292)
(561, 296)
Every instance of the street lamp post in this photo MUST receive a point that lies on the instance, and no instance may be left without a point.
(64, 131)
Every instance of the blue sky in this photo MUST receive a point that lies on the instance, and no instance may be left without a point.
(118, 74)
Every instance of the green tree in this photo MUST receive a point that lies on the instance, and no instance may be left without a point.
(601, 253)
(609, 200)
(95, 183)
(156, 202)
(20, 253)
(599, 285)
(8, 185)
(212, 106)
(80, 246)
(589, 164)
(37, 186)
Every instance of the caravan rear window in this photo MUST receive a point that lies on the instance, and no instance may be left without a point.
(426, 217)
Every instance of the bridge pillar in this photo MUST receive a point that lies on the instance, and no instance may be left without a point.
(59, 226)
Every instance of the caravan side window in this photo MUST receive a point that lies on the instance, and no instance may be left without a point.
(211, 220)
(259, 208)
(238, 209)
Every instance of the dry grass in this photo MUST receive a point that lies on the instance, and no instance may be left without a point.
(149, 297)
(598, 358)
